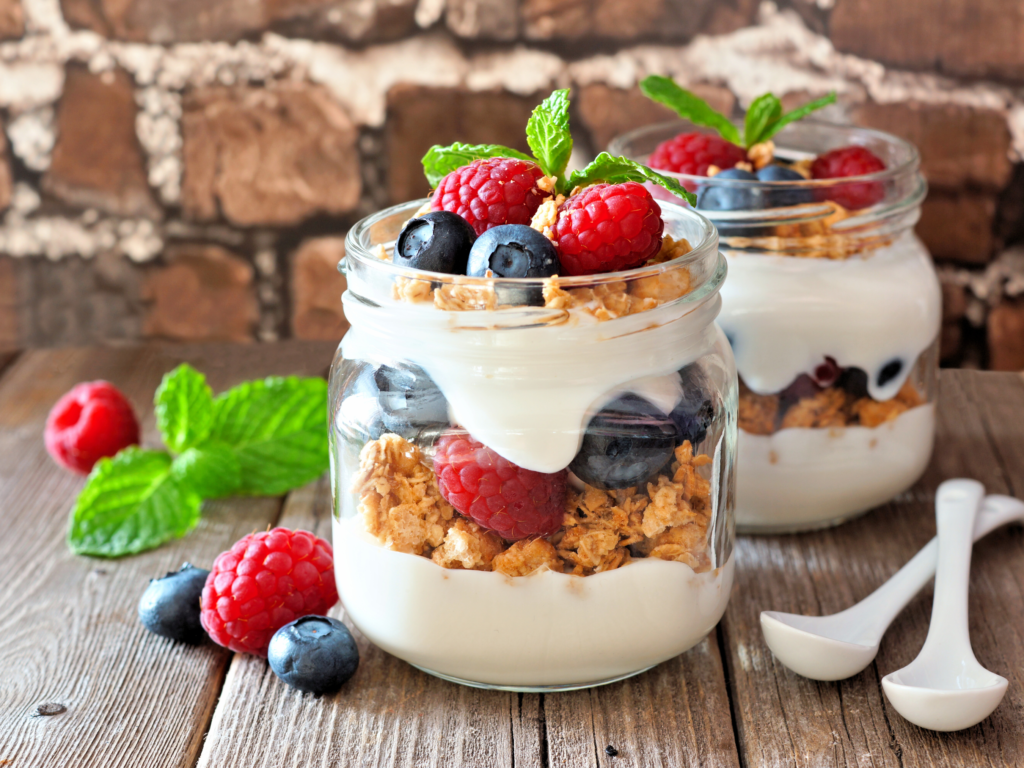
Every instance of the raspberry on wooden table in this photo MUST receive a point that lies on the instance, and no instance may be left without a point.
(692, 153)
(92, 421)
(507, 499)
(607, 228)
(265, 581)
(491, 191)
(850, 161)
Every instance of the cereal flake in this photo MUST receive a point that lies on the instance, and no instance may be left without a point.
(527, 557)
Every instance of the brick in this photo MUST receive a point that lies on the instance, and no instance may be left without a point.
(420, 117)
(620, 19)
(268, 155)
(10, 335)
(487, 19)
(959, 146)
(954, 302)
(5, 171)
(958, 226)
(608, 112)
(950, 340)
(97, 161)
(1006, 337)
(203, 293)
(725, 16)
(160, 21)
(316, 288)
(364, 21)
(975, 38)
(12, 19)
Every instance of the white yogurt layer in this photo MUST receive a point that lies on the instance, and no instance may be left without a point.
(798, 477)
(784, 315)
(526, 388)
(545, 629)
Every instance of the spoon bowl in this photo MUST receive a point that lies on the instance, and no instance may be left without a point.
(844, 644)
(942, 697)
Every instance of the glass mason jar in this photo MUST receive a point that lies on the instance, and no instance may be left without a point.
(534, 385)
(833, 309)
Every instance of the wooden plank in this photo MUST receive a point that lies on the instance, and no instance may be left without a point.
(390, 714)
(786, 720)
(68, 632)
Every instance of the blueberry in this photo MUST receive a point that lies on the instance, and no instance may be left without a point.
(316, 654)
(170, 605)
(854, 381)
(777, 198)
(889, 371)
(402, 399)
(695, 412)
(514, 250)
(625, 443)
(438, 241)
(730, 197)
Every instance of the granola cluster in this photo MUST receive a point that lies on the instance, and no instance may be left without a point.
(604, 301)
(401, 506)
(831, 407)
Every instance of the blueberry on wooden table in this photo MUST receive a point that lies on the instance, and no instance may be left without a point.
(170, 605)
(315, 654)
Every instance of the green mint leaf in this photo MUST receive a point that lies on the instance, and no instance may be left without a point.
(547, 133)
(184, 408)
(212, 470)
(440, 161)
(131, 503)
(615, 170)
(765, 110)
(277, 428)
(688, 106)
(797, 114)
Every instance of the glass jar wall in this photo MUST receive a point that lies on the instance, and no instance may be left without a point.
(600, 410)
(833, 309)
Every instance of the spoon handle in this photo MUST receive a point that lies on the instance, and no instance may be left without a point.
(877, 611)
(956, 507)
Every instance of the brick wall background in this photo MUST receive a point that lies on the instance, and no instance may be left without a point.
(187, 169)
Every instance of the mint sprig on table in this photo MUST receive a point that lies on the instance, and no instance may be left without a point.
(259, 438)
(550, 140)
(764, 118)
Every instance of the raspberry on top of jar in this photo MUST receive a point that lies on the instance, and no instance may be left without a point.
(498, 213)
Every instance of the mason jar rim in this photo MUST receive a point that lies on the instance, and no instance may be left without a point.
(359, 248)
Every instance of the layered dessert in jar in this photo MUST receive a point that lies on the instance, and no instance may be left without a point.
(533, 420)
(832, 306)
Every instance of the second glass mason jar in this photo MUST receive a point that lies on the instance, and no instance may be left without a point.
(608, 400)
(833, 310)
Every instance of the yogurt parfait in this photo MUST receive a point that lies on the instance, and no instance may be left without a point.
(533, 420)
(832, 306)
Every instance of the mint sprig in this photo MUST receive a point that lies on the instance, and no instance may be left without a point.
(550, 140)
(763, 120)
(616, 170)
(259, 438)
(440, 161)
(547, 133)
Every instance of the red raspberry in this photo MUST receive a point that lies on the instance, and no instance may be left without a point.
(608, 227)
(850, 161)
(263, 582)
(491, 191)
(92, 421)
(692, 153)
(512, 501)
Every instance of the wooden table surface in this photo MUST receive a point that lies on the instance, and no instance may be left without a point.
(69, 635)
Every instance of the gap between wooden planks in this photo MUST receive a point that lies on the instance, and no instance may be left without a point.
(68, 630)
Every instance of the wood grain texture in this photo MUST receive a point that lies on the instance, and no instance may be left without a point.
(786, 720)
(391, 714)
(68, 631)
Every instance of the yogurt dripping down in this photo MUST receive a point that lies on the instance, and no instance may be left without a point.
(527, 386)
(784, 315)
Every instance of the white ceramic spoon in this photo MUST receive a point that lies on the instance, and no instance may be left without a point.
(945, 688)
(841, 645)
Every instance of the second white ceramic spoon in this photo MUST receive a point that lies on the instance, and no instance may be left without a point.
(945, 688)
(842, 645)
